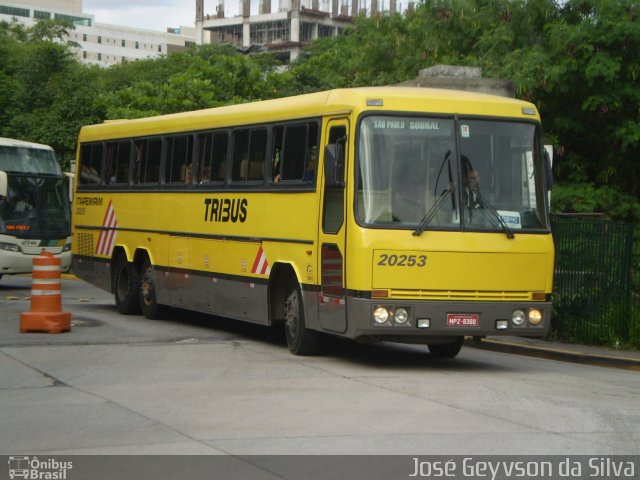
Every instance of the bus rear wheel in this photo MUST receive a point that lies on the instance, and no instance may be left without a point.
(300, 340)
(126, 286)
(446, 350)
(151, 309)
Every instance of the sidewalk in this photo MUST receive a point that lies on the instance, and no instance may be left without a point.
(568, 352)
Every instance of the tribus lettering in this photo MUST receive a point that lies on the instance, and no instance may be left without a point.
(225, 209)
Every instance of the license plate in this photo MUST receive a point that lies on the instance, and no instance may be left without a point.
(463, 320)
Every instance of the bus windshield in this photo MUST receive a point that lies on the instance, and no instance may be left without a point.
(412, 176)
(36, 207)
(28, 160)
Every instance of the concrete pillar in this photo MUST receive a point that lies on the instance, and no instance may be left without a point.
(392, 7)
(199, 10)
(246, 32)
(295, 26)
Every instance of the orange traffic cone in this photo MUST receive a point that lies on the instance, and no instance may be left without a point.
(46, 313)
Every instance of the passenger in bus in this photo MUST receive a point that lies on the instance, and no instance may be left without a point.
(187, 175)
(206, 175)
(275, 166)
(470, 178)
(24, 203)
(310, 171)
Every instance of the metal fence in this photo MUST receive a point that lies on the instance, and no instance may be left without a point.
(593, 291)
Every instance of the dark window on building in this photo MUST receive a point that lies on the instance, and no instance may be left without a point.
(212, 156)
(117, 163)
(84, 54)
(249, 151)
(137, 44)
(84, 37)
(90, 164)
(177, 168)
(160, 48)
(14, 11)
(75, 20)
(99, 39)
(124, 43)
(40, 15)
(147, 154)
(99, 56)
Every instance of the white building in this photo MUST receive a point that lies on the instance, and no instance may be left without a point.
(99, 43)
(286, 28)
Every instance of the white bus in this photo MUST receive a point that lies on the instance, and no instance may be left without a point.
(35, 211)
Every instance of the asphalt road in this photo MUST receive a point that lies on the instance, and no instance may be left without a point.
(196, 384)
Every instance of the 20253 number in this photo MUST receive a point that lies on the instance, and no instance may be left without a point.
(402, 260)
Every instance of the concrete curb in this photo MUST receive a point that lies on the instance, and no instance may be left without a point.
(555, 353)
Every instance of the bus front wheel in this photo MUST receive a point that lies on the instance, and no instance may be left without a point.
(151, 309)
(300, 340)
(126, 285)
(446, 350)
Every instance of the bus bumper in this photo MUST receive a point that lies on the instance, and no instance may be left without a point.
(18, 262)
(428, 319)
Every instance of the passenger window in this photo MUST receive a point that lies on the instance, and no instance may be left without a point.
(177, 167)
(212, 156)
(117, 163)
(295, 153)
(249, 153)
(147, 161)
(90, 164)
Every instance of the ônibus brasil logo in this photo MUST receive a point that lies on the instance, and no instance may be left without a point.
(35, 469)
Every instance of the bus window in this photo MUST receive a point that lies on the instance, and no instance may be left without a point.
(405, 166)
(212, 148)
(299, 153)
(117, 163)
(90, 164)
(147, 161)
(177, 168)
(249, 153)
(333, 208)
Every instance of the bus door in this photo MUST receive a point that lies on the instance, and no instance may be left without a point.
(332, 309)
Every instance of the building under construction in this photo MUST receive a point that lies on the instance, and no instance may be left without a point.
(294, 24)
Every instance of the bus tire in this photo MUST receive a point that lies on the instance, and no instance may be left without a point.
(446, 350)
(126, 286)
(151, 309)
(300, 340)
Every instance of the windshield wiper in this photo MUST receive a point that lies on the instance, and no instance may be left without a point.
(495, 213)
(433, 210)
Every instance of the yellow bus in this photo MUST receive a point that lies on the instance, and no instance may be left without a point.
(385, 214)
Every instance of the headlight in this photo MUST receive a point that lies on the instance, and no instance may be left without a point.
(535, 316)
(67, 247)
(518, 317)
(381, 315)
(10, 247)
(401, 316)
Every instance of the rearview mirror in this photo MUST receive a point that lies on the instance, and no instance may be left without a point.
(548, 152)
(4, 184)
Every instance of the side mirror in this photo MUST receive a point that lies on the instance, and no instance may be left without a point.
(334, 164)
(69, 177)
(548, 172)
(4, 184)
